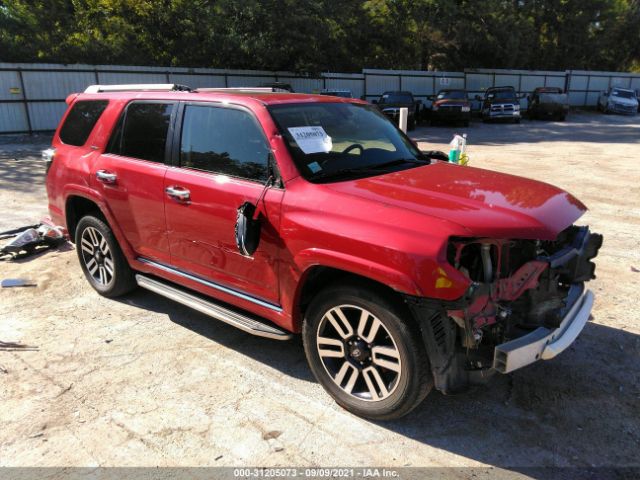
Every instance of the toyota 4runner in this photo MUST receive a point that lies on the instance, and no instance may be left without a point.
(283, 213)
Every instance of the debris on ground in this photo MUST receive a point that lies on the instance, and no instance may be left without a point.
(30, 240)
(17, 282)
(16, 347)
(12, 233)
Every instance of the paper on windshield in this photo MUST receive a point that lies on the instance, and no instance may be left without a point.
(312, 139)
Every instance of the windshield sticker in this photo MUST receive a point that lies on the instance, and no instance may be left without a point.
(312, 139)
(314, 167)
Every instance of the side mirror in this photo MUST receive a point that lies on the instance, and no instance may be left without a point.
(431, 97)
(375, 102)
(418, 102)
(478, 97)
(248, 226)
(247, 229)
(605, 94)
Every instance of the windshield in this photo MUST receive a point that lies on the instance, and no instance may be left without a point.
(343, 140)
(396, 98)
(623, 93)
(502, 94)
(452, 95)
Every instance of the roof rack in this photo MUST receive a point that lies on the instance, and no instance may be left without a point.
(138, 87)
(243, 90)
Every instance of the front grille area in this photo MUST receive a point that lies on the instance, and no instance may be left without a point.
(502, 108)
(624, 108)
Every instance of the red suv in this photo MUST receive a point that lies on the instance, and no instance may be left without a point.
(283, 213)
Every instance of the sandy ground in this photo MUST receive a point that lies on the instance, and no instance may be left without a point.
(144, 382)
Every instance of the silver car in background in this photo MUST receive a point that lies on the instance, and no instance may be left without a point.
(618, 100)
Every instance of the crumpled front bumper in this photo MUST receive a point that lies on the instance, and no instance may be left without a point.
(544, 343)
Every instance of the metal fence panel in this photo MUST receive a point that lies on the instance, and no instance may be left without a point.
(10, 86)
(13, 118)
(555, 81)
(479, 82)
(46, 115)
(55, 85)
(198, 81)
(304, 85)
(107, 78)
(378, 83)
(249, 81)
(355, 85)
(32, 95)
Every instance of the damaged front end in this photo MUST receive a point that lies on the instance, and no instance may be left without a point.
(526, 302)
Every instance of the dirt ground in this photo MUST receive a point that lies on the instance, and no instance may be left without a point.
(142, 381)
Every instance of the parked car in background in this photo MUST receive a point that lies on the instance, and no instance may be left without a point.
(451, 106)
(548, 102)
(618, 100)
(390, 104)
(283, 213)
(335, 92)
(500, 103)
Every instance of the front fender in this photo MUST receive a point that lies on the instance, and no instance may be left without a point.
(399, 281)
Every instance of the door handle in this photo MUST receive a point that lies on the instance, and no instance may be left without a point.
(106, 177)
(178, 193)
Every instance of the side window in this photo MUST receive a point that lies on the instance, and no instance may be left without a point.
(81, 119)
(223, 140)
(142, 131)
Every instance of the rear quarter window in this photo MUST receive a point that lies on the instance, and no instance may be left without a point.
(80, 121)
(142, 131)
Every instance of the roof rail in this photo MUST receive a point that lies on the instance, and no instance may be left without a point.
(137, 87)
(243, 89)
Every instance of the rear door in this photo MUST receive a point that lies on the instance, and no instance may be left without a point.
(130, 175)
(222, 156)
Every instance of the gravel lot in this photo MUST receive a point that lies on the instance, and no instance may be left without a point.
(145, 382)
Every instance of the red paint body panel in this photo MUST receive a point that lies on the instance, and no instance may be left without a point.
(201, 232)
(392, 228)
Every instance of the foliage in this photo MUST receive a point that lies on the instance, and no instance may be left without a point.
(325, 35)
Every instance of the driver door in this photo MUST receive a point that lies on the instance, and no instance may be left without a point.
(222, 163)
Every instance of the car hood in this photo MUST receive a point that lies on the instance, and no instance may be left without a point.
(485, 203)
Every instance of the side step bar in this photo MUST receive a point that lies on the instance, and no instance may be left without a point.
(238, 320)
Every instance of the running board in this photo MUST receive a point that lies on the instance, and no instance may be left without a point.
(238, 320)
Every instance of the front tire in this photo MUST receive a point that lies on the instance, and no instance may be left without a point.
(364, 350)
(101, 258)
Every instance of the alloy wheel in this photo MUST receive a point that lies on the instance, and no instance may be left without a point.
(97, 256)
(359, 353)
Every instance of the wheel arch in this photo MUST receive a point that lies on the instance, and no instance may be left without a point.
(318, 276)
(76, 207)
(78, 204)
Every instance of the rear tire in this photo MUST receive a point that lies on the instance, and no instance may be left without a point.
(364, 350)
(101, 258)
